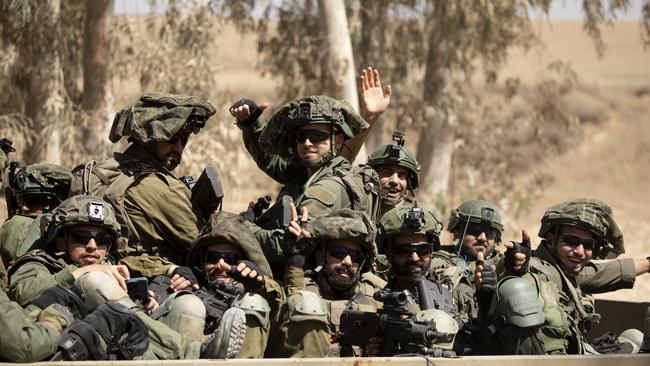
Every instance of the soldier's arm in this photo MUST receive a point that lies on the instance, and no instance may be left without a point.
(22, 339)
(32, 278)
(270, 242)
(161, 213)
(605, 276)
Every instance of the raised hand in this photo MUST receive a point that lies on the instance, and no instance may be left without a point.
(248, 274)
(374, 99)
(517, 255)
(246, 111)
(297, 240)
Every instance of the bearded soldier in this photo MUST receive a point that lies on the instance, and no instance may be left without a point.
(33, 190)
(341, 247)
(150, 202)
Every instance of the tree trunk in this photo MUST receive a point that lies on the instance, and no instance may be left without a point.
(45, 90)
(437, 134)
(96, 99)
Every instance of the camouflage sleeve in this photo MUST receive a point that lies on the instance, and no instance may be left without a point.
(146, 266)
(32, 278)
(270, 242)
(605, 276)
(324, 197)
(23, 339)
(161, 213)
(273, 165)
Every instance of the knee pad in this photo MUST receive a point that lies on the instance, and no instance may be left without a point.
(96, 288)
(306, 305)
(184, 313)
(254, 305)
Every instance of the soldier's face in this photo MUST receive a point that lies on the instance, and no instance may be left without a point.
(217, 259)
(574, 248)
(394, 181)
(477, 239)
(86, 244)
(170, 153)
(410, 254)
(342, 260)
(309, 150)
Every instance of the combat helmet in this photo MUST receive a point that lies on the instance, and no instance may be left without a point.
(82, 210)
(591, 215)
(476, 211)
(278, 136)
(397, 154)
(408, 220)
(346, 224)
(224, 227)
(158, 117)
(46, 183)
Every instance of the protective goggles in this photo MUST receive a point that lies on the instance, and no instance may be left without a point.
(342, 252)
(422, 249)
(574, 241)
(102, 238)
(230, 258)
(314, 136)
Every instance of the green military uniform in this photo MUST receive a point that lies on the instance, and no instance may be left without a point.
(261, 305)
(44, 184)
(152, 203)
(567, 312)
(310, 318)
(273, 146)
(450, 289)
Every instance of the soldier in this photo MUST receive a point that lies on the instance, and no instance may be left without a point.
(300, 148)
(83, 228)
(398, 170)
(341, 246)
(152, 203)
(227, 252)
(573, 233)
(408, 235)
(33, 190)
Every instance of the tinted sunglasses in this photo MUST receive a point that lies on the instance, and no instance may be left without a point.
(183, 137)
(342, 252)
(213, 257)
(102, 238)
(314, 136)
(476, 230)
(421, 249)
(574, 241)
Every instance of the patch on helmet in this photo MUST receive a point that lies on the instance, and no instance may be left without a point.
(96, 211)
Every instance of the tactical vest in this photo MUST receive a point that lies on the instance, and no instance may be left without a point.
(110, 180)
(40, 256)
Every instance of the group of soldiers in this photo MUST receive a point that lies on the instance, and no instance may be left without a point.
(121, 259)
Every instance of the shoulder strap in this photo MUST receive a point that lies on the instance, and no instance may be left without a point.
(39, 256)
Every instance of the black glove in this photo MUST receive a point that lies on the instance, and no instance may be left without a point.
(295, 248)
(5, 145)
(186, 272)
(255, 111)
(509, 260)
(251, 283)
(67, 298)
(485, 291)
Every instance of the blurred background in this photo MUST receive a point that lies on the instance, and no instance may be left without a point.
(525, 103)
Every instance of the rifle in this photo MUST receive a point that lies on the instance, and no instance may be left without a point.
(5, 145)
(278, 216)
(207, 192)
(256, 210)
(217, 296)
(401, 336)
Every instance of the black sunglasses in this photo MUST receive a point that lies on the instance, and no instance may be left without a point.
(183, 137)
(314, 136)
(230, 258)
(574, 241)
(342, 252)
(422, 249)
(102, 238)
(476, 230)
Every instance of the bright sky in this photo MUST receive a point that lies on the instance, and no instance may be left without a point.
(560, 9)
